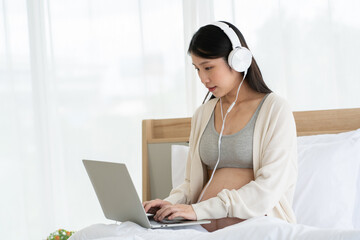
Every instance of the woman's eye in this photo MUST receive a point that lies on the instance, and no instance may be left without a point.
(205, 68)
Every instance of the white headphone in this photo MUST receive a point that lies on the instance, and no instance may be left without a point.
(240, 57)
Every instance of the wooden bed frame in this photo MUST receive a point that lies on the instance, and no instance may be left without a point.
(159, 134)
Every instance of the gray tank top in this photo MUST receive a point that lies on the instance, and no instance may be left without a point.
(236, 149)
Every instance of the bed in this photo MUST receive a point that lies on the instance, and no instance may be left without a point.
(326, 200)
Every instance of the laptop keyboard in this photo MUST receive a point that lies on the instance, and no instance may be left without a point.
(175, 220)
(166, 220)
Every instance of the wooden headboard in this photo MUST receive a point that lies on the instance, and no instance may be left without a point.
(159, 134)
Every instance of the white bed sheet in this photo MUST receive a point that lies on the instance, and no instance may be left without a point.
(255, 228)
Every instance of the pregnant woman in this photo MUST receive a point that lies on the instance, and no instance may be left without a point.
(242, 160)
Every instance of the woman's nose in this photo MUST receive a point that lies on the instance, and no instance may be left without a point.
(204, 78)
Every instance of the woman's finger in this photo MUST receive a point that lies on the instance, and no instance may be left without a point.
(159, 212)
(164, 212)
(182, 210)
(176, 214)
(157, 203)
(149, 204)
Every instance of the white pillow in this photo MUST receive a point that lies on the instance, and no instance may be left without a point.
(178, 164)
(326, 138)
(326, 190)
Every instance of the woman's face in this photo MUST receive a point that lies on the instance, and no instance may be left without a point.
(216, 75)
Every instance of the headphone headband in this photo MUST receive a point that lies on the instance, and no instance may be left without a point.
(239, 58)
(234, 39)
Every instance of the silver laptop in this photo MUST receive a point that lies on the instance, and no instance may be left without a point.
(118, 197)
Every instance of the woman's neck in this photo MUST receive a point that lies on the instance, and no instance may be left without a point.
(244, 93)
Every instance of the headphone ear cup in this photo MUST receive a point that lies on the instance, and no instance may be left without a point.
(240, 59)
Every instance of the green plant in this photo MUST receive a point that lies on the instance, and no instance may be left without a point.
(60, 234)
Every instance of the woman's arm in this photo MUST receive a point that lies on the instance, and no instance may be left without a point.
(181, 194)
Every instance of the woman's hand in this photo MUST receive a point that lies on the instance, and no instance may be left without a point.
(173, 211)
(154, 205)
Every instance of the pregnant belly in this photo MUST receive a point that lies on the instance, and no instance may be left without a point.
(226, 178)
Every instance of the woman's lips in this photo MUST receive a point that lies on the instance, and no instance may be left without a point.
(212, 89)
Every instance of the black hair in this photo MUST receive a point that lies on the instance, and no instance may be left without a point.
(211, 42)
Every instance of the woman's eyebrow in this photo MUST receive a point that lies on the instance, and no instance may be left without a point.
(202, 63)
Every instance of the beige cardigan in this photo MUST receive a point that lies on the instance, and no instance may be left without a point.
(274, 165)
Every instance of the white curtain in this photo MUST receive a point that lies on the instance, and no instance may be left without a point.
(77, 77)
(308, 51)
